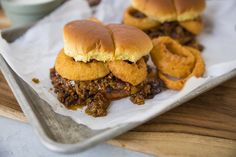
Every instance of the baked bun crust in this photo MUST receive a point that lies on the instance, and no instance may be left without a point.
(130, 42)
(85, 40)
(160, 10)
(70, 69)
(189, 9)
(141, 23)
(170, 10)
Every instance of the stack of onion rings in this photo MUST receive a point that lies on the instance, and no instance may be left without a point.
(171, 58)
(133, 73)
(176, 63)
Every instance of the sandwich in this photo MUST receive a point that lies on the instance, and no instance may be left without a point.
(101, 63)
(178, 19)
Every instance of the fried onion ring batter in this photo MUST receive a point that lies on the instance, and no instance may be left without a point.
(171, 58)
(143, 23)
(198, 71)
(176, 63)
(74, 70)
(133, 73)
(194, 26)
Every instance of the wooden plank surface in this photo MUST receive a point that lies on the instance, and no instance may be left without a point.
(4, 21)
(205, 126)
(8, 104)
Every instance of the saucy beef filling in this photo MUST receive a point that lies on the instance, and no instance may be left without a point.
(96, 95)
(177, 32)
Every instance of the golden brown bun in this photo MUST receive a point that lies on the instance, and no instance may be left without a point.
(189, 9)
(193, 26)
(76, 70)
(160, 10)
(141, 23)
(170, 10)
(85, 40)
(131, 43)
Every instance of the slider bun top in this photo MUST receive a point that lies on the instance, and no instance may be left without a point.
(85, 40)
(170, 10)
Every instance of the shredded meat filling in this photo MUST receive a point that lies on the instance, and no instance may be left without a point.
(96, 95)
(177, 32)
(97, 105)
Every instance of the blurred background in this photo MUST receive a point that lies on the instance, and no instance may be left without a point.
(15, 13)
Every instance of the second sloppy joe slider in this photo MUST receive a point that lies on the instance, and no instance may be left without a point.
(101, 63)
(178, 19)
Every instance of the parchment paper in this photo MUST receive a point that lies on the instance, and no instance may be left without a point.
(33, 54)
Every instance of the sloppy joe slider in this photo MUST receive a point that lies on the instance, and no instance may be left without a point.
(100, 63)
(179, 19)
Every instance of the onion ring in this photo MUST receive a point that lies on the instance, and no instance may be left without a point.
(171, 58)
(193, 26)
(76, 70)
(134, 73)
(197, 71)
(141, 23)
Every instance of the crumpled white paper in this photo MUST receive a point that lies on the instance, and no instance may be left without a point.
(33, 54)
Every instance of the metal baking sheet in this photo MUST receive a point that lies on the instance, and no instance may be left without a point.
(60, 133)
